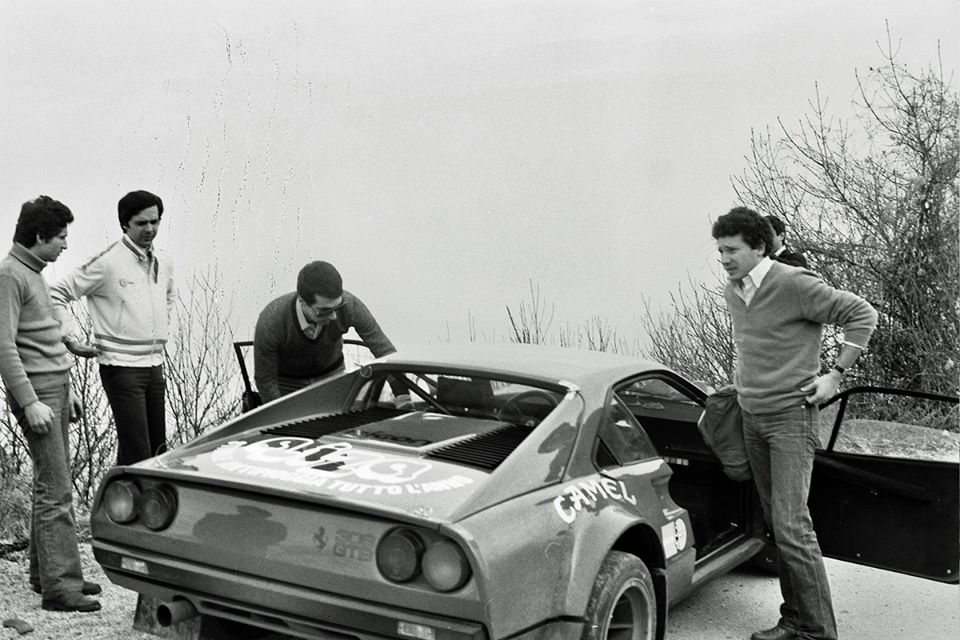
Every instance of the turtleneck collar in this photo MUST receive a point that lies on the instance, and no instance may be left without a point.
(27, 257)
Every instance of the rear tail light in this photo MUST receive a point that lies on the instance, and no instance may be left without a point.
(445, 567)
(124, 502)
(120, 501)
(404, 555)
(399, 554)
(158, 505)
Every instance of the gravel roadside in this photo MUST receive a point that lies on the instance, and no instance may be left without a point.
(114, 621)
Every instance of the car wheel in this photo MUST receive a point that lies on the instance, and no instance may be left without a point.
(622, 604)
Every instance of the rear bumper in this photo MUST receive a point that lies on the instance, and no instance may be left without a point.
(268, 604)
(555, 630)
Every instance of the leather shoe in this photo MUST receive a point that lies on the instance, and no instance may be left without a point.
(72, 602)
(776, 633)
(88, 588)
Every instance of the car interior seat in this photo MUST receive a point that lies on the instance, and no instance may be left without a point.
(466, 396)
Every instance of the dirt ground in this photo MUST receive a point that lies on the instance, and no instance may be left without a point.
(113, 621)
(870, 604)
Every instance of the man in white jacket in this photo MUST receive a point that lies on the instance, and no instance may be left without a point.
(129, 292)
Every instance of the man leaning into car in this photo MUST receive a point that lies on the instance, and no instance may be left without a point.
(299, 336)
(778, 313)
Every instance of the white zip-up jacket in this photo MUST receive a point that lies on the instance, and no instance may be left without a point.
(130, 298)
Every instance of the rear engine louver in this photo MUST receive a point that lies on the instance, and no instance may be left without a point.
(485, 451)
(603, 457)
(326, 425)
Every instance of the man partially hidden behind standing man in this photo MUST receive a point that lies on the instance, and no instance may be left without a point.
(778, 314)
(778, 247)
(299, 336)
(35, 368)
(129, 292)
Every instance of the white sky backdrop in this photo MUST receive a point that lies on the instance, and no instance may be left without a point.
(442, 154)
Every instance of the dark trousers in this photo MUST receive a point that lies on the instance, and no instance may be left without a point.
(137, 398)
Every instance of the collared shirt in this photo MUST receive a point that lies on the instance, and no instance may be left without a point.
(309, 328)
(146, 257)
(752, 281)
(281, 349)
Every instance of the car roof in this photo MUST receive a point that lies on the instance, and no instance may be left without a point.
(579, 366)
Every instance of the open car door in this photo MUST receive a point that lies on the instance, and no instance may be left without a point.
(885, 488)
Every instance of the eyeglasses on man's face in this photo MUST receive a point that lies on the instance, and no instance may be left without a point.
(323, 308)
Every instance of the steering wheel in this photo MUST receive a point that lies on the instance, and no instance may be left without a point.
(514, 405)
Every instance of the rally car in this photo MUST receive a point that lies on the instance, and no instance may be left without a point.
(495, 492)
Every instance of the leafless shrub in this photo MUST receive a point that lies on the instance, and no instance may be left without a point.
(203, 387)
(202, 391)
(695, 337)
(596, 335)
(531, 323)
(14, 492)
(93, 442)
(874, 207)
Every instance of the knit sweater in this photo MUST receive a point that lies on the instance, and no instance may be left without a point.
(282, 349)
(30, 335)
(130, 297)
(778, 336)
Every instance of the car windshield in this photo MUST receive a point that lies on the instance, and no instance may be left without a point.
(459, 395)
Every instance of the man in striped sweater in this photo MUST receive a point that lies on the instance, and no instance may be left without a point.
(129, 293)
(35, 369)
(778, 312)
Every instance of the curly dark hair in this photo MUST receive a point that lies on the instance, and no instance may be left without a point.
(43, 218)
(754, 228)
(135, 202)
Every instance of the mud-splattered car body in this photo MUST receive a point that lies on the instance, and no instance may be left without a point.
(459, 492)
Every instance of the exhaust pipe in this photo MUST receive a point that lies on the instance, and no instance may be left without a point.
(171, 613)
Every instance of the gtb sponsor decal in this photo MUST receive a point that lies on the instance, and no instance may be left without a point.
(588, 494)
(331, 465)
(354, 545)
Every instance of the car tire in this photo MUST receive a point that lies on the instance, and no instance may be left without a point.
(622, 604)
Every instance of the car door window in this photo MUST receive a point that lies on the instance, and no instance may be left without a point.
(658, 398)
(893, 426)
(668, 415)
(621, 439)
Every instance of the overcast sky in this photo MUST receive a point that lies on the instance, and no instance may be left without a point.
(442, 154)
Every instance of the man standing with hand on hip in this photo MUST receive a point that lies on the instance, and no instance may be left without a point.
(129, 292)
(778, 313)
(35, 369)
